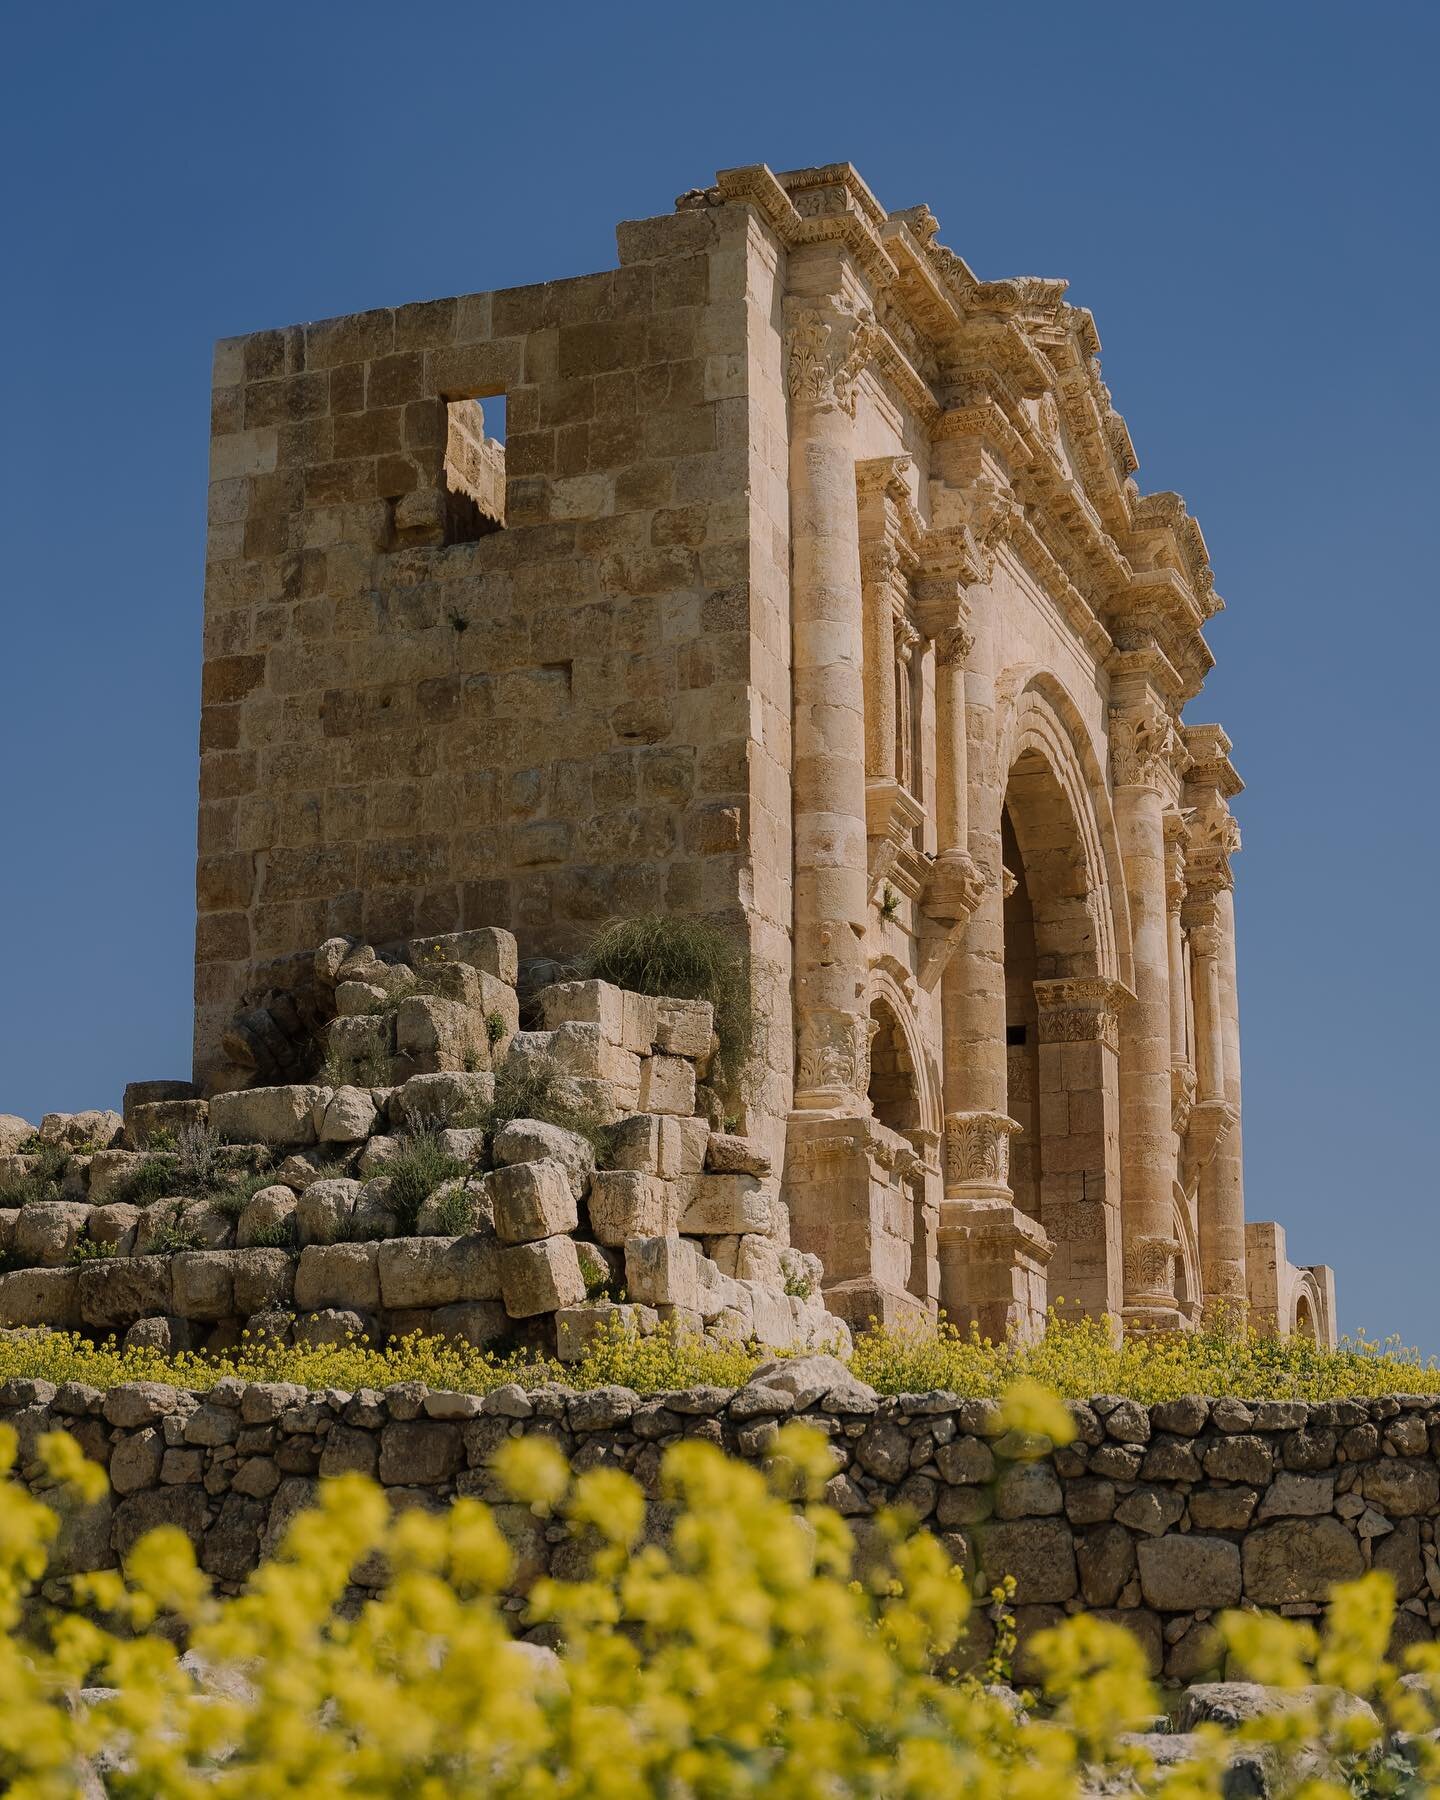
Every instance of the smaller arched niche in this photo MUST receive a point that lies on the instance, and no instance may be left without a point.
(894, 1087)
(1305, 1323)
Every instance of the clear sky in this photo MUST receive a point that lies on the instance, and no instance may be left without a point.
(1245, 195)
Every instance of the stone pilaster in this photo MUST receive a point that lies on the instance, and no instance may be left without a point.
(1142, 742)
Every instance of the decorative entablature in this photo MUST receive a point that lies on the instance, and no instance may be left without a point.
(1016, 365)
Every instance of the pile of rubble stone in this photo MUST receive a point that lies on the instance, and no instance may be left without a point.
(532, 1243)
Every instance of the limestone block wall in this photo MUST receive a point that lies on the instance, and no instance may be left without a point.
(1155, 1517)
(410, 726)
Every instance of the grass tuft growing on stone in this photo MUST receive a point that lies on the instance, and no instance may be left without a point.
(684, 959)
(412, 1175)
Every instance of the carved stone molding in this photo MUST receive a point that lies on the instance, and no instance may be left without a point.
(1211, 1122)
(953, 645)
(1150, 1269)
(956, 887)
(968, 526)
(827, 346)
(977, 1153)
(1081, 1010)
(1143, 745)
(1212, 838)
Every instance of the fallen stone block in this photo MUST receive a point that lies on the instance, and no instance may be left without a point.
(206, 1225)
(42, 1297)
(358, 1040)
(667, 1085)
(594, 1003)
(267, 1115)
(342, 1276)
(109, 1173)
(532, 1200)
(345, 1117)
(267, 1213)
(115, 1291)
(14, 1131)
(322, 1213)
(95, 1130)
(438, 1272)
(465, 1143)
(114, 1226)
(491, 950)
(540, 1277)
(582, 1050)
(534, 1140)
(625, 1203)
(434, 1101)
(725, 1205)
(437, 1034)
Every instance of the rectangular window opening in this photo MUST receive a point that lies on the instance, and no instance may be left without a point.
(1014, 1034)
(475, 469)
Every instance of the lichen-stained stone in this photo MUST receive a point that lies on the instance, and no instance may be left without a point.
(441, 1035)
(94, 1130)
(1181, 1573)
(203, 1284)
(164, 1118)
(1241, 1458)
(664, 1271)
(532, 1200)
(432, 1101)
(1298, 1560)
(1401, 1487)
(491, 950)
(281, 1116)
(540, 1277)
(264, 1279)
(729, 1154)
(684, 1028)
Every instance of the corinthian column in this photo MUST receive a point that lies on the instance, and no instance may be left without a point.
(1141, 743)
(827, 345)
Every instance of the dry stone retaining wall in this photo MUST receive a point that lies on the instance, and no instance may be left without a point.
(1157, 1517)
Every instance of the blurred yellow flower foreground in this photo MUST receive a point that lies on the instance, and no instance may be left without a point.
(752, 1654)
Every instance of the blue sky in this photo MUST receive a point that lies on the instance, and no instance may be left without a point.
(1244, 195)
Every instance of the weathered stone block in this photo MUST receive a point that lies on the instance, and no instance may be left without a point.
(664, 1271)
(323, 1212)
(728, 1154)
(1180, 1574)
(438, 1271)
(540, 1277)
(684, 1028)
(116, 1290)
(203, 1284)
(98, 1129)
(480, 1323)
(346, 1117)
(534, 1140)
(667, 1085)
(264, 1280)
(1039, 1553)
(722, 1205)
(109, 1172)
(164, 1118)
(344, 1276)
(267, 1115)
(1298, 1560)
(441, 1035)
(624, 1203)
(46, 1231)
(1297, 1496)
(576, 1327)
(532, 1200)
(114, 1226)
(267, 1212)
(433, 1101)
(420, 1453)
(1400, 1487)
(493, 951)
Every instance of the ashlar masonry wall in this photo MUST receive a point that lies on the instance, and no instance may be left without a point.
(570, 718)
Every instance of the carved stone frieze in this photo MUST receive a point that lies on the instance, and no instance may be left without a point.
(827, 346)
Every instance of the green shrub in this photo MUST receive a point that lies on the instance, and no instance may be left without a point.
(420, 1166)
(279, 1234)
(87, 1249)
(685, 959)
(41, 1181)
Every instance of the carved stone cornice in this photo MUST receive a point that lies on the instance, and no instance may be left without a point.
(1082, 1009)
(827, 345)
(1212, 838)
(1211, 1122)
(969, 522)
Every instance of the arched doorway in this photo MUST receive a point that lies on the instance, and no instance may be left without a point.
(1061, 1039)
